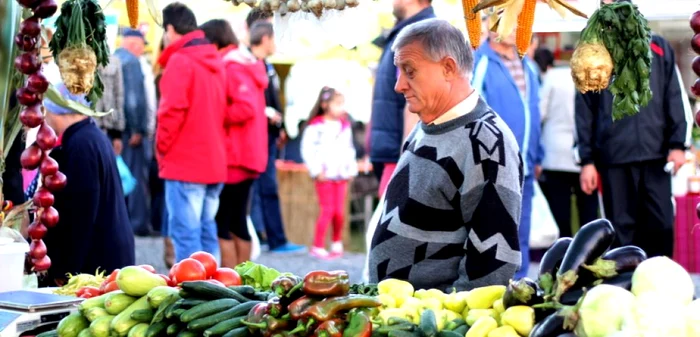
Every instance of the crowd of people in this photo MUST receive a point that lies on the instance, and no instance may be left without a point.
(458, 140)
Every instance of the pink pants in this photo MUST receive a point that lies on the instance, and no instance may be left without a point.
(331, 198)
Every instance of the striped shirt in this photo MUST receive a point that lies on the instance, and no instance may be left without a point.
(515, 67)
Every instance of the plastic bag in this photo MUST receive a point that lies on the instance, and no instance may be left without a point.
(254, 241)
(128, 180)
(371, 227)
(544, 230)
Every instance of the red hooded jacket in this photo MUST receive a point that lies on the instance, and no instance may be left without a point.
(246, 123)
(190, 138)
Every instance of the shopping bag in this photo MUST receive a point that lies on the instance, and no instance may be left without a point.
(254, 241)
(543, 228)
(128, 180)
(371, 227)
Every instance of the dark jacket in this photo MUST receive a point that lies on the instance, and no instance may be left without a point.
(93, 229)
(13, 182)
(662, 125)
(135, 102)
(386, 133)
(272, 97)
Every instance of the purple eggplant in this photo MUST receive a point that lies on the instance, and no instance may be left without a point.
(623, 280)
(522, 292)
(590, 243)
(617, 261)
(550, 263)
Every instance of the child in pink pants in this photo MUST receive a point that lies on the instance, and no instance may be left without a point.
(328, 151)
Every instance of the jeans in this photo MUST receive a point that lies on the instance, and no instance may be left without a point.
(265, 211)
(138, 160)
(191, 217)
(524, 229)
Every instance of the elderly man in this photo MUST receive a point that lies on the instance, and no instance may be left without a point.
(452, 206)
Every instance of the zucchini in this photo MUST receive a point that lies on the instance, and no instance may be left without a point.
(157, 329)
(246, 291)
(184, 294)
(591, 241)
(238, 332)
(212, 291)
(173, 329)
(163, 307)
(143, 315)
(50, 333)
(204, 323)
(175, 313)
(185, 333)
(550, 263)
(402, 333)
(207, 309)
(222, 327)
(617, 261)
(261, 296)
(192, 302)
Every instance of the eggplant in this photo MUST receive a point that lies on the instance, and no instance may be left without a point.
(551, 326)
(568, 334)
(617, 261)
(591, 241)
(550, 263)
(623, 280)
(524, 291)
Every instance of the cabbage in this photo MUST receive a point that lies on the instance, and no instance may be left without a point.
(692, 316)
(663, 276)
(657, 316)
(603, 310)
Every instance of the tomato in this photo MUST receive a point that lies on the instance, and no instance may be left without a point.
(207, 260)
(216, 283)
(112, 277)
(148, 267)
(110, 287)
(189, 270)
(167, 280)
(88, 291)
(228, 277)
(171, 274)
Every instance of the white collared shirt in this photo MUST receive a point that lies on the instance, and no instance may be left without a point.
(462, 108)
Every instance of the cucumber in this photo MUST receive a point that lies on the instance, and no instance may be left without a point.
(50, 333)
(173, 329)
(160, 313)
(403, 333)
(143, 315)
(462, 329)
(222, 327)
(139, 330)
(185, 294)
(204, 323)
(207, 309)
(212, 291)
(123, 322)
(100, 327)
(185, 333)
(238, 332)
(447, 333)
(261, 296)
(95, 302)
(428, 323)
(157, 329)
(175, 313)
(118, 301)
(171, 308)
(246, 291)
(192, 302)
(159, 294)
(72, 325)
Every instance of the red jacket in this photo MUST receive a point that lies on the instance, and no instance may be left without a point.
(190, 136)
(246, 123)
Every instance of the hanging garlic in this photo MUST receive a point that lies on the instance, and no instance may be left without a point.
(283, 10)
(340, 4)
(352, 3)
(329, 4)
(293, 6)
(250, 3)
(274, 4)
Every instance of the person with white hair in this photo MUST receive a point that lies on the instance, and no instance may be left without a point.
(452, 208)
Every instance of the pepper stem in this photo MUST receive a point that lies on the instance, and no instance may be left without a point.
(260, 326)
(294, 289)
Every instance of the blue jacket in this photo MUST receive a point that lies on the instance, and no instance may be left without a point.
(135, 101)
(522, 114)
(386, 133)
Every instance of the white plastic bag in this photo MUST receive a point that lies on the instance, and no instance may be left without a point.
(371, 227)
(254, 241)
(543, 228)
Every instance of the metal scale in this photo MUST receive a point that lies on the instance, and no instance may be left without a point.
(22, 311)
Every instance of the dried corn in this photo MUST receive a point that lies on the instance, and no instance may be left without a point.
(132, 10)
(473, 22)
(523, 33)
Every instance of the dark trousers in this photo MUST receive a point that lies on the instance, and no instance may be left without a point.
(558, 186)
(159, 215)
(232, 216)
(138, 160)
(637, 200)
(265, 211)
(378, 169)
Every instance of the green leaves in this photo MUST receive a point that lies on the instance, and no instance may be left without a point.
(57, 98)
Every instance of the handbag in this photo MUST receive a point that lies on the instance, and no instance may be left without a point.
(543, 227)
(128, 180)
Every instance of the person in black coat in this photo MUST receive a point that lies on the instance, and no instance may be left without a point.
(93, 229)
(12, 187)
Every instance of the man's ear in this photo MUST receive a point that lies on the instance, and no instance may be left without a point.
(449, 68)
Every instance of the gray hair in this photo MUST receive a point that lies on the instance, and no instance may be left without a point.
(439, 39)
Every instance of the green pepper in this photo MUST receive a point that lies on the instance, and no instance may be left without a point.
(329, 307)
(330, 328)
(298, 307)
(360, 324)
(275, 308)
(327, 283)
(283, 284)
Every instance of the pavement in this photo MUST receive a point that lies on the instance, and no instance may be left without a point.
(149, 250)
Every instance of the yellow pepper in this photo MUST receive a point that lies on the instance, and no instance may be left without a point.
(504, 331)
(387, 300)
(455, 302)
(498, 306)
(484, 297)
(431, 303)
(436, 293)
(420, 294)
(450, 315)
(398, 289)
(384, 315)
(482, 327)
(520, 317)
(474, 314)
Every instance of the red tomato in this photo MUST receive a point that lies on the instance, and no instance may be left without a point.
(148, 267)
(189, 270)
(167, 279)
(207, 260)
(216, 283)
(112, 277)
(88, 291)
(228, 277)
(171, 274)
(86, 296)
(110, 287)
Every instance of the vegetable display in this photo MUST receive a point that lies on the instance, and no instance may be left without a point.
(616, 44)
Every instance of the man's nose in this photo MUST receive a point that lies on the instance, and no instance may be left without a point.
(401, 84)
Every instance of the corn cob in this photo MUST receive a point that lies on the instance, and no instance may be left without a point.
(132, 10)
(473, 22)
(523, 34)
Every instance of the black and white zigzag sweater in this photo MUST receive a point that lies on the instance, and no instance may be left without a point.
(452, 207)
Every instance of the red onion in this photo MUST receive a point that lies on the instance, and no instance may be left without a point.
(38, 83)
(30, 27)
(48, 166)
(43, 197)
(37, 230)
(46, 9)
(46, 138)
(695, 22)
(42, 265)
(29, 3)
(49, 217)
(25, 42)
(31, 116)
(28, 63)
(31, 157)
(27, 97)
(37, 250)
(696, 88)
(55, 182)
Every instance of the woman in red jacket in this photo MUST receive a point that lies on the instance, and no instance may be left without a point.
(246, 139)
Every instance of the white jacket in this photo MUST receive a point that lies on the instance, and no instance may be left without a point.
(557, 100)
(327, 146)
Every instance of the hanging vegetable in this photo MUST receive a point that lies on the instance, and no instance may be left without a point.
(132, 11)
(695, 45)
(283, 7)
(616, 43)
(80, 45)
(473, 22)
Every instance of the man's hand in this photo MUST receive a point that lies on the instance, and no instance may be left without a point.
(118, 146)
(589, 179)
(135, 140)
(276, 119)
(677, 157)
(538, 172)
(282, 140)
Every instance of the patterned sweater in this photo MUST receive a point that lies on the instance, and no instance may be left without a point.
(452, 207)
